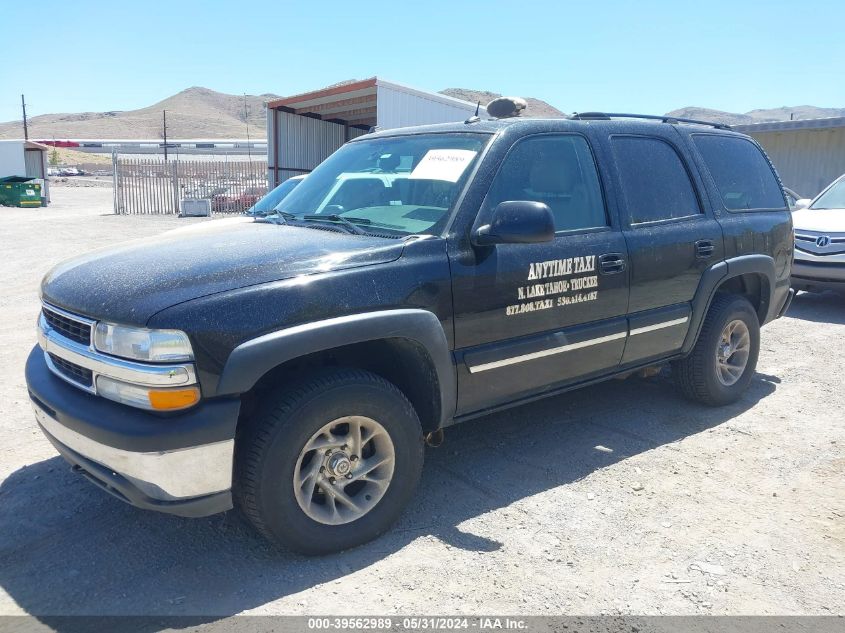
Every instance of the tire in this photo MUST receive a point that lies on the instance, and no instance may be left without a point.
(273, 470)
(698, 375)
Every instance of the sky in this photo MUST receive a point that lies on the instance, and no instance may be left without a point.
(638, 56)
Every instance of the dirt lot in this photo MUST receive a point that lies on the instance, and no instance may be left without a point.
(621, 498)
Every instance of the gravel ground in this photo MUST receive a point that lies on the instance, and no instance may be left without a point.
(619, 499)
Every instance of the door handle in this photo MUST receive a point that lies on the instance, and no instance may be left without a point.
(704, 249)
(611, 263)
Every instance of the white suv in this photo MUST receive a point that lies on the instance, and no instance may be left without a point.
(820, 240)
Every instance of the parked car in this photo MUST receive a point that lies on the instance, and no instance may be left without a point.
(820, 240)
(234, 201)
(268, 203)
(416, 279)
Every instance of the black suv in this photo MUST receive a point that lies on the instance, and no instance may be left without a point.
(294, 365)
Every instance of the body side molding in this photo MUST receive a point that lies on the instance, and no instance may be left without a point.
(249, 361)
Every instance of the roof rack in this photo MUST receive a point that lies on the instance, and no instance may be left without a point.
(606, 116)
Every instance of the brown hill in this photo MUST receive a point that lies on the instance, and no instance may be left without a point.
(192, 113)
(537, 108)
(203, 113)
(758, 116)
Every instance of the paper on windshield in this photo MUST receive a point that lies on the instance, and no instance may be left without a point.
(443, 164)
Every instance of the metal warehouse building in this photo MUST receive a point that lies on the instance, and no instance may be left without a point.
(303, 130)
(808, 154)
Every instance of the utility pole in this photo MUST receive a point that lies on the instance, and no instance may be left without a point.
(25, 129)
(164, 130)
(246, 120)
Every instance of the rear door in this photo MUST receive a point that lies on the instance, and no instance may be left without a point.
(671, 236)
(529, 317)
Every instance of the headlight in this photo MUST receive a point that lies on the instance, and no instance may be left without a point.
(152, 399)
(153, 346)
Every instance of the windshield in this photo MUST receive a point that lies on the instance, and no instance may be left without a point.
(391, 186)
(269, 202)
(833, 198)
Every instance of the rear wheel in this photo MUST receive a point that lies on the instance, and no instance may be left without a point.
(723, 361)
(329, 463)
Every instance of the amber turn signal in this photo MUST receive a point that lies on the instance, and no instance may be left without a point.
(170, 399)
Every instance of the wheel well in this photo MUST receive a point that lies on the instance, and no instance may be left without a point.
(752, 286)
(403, 362)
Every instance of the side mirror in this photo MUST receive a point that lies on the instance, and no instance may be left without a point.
(517, 222)
(803, 203)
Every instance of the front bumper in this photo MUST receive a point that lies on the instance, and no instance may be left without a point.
(810, 275)
(180, 464)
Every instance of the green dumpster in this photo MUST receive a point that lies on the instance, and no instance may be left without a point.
(20, 191)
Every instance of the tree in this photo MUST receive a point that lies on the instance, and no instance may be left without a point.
(54, 157)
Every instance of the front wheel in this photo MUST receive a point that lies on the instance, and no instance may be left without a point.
(722, 363)
(329, 463)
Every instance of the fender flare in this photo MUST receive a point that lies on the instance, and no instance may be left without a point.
(717, 274)
(250, 360)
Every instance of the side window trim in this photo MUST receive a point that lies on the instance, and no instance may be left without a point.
(626, 216)
(608, 219)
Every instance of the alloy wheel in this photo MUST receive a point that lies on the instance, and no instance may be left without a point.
(344, 470)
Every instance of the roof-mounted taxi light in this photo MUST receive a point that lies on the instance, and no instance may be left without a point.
(506, 107)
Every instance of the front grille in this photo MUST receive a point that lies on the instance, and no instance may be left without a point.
(73, 372)
(834, 238)
(77, 331)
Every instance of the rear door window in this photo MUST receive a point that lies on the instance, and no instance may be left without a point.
(742, 173)
(654, 180)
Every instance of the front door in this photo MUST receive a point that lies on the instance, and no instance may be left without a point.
(529, 317)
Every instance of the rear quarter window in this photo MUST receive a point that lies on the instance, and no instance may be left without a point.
(742, 174)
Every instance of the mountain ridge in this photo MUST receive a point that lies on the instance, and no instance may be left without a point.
(537, 108)
(761, 115)
(199, 112)
(195, 112)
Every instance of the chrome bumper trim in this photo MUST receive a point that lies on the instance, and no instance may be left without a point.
(167, 475)
(101, 365)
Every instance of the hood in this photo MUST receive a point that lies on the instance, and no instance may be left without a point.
(820, 220)
(131, 282)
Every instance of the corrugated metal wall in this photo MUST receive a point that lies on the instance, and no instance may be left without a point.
(35, 159)
(355, 132)
(400, 108)
(36, 167)
(302, 142)
(807, 160)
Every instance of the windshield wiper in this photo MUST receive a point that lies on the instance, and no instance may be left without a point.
(351, 223)
(284, 216)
